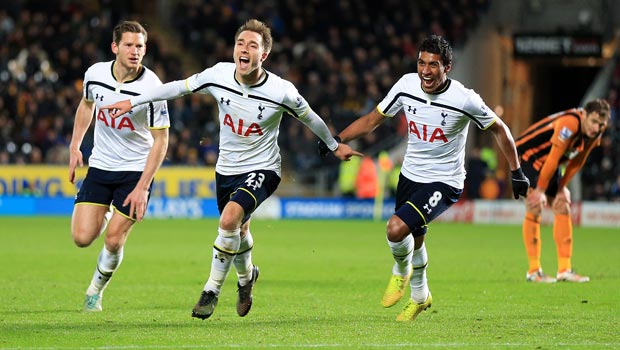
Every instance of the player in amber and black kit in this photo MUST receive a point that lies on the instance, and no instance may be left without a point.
(562, 139)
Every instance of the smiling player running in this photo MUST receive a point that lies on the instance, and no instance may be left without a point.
(439, 111)
(251, 104)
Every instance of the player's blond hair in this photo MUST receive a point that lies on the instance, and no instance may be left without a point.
(127, 27)
(259, 27)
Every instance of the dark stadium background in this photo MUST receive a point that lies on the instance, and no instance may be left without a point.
(342, 55)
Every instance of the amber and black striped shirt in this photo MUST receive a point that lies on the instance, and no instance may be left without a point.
(554, 141)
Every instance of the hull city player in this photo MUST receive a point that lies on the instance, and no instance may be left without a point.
(562, 139)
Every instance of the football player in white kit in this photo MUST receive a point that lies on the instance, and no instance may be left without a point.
(127, 153)
(251, 104)
(439, 111)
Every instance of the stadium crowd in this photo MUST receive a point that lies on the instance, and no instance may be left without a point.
(342, 55)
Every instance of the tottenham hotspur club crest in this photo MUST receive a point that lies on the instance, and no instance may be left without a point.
(443, 121)
(261, 109)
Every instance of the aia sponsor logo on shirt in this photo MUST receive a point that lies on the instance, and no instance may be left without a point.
(115, 123)
(424, 133)
(241, 127)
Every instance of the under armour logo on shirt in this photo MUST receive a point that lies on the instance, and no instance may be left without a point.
(227, 101)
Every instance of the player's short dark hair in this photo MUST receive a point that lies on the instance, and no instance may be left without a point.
(259, 27)
(438, 45)
(599, 106)
(127, 27)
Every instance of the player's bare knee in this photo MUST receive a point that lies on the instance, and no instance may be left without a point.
(396, 230)
(535, 209)
(229, 225)
(231, 217)
(82, 238)
(561, 207)
(117, 235)
(231, 220)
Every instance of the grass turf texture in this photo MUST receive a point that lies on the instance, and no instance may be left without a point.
(320, 287)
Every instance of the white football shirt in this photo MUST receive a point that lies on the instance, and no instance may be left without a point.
(437, 125)
(122, 144)
(249, 116)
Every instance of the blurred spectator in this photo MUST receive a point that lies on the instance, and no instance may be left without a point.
(347, 178)
(208, 151)
(366, 182)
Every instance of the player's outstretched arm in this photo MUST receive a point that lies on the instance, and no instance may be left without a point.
(119, 108)
(167, 91)
(320, 129)
(360, 127)
(345, 152)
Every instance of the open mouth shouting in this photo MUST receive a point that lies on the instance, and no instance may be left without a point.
(244, 62)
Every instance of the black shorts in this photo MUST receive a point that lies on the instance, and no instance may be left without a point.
(417, 204)
(105, 187)
(249, 190)
(532, 174)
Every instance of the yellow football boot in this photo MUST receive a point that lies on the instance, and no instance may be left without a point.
(413, 309)
(395, 289)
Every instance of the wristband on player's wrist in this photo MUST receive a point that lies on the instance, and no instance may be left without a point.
(339, 140)
(517, 174)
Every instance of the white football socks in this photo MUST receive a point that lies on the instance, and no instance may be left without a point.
(225, 247)
(419, 287)
(107, 263)
(402, 251)
(243, 260)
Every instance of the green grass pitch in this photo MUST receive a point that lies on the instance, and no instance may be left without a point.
(320, 287)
